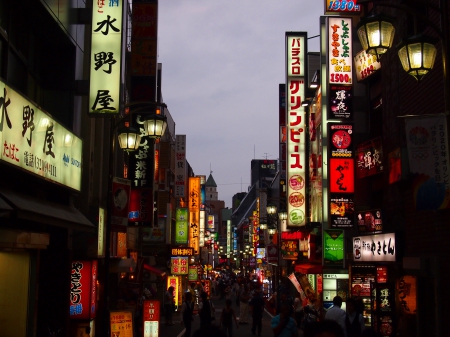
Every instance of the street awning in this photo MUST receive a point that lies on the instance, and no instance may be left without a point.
(154, 270)
(308, 268)
(33, 209)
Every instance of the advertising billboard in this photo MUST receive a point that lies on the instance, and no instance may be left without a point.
(340, 56)
(194, 213)
(151, 316)
(333, 244)
(369, 158)
(83, 297)
(121, 190)
(141, 205)
(182, 225)
(180, 166)
(374, 248)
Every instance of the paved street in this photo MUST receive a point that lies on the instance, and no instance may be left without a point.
(177, 330)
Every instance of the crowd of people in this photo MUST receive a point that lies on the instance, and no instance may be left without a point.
(290, 314)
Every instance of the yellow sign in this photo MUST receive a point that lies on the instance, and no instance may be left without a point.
(121, 323)
(194, 213)
(174, 281)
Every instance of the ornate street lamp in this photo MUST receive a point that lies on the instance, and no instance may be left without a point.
(376, 34)
(129, 138)
(282, 215)
(263, 226)
(271, 209)
(417, 55)
(155, 126)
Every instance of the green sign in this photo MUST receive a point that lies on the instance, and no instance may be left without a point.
(333, 243)
(182, 229)
(193, 274)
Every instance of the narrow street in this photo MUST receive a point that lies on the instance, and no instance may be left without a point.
(244, 330)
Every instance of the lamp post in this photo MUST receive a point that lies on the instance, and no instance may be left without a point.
(129, 140)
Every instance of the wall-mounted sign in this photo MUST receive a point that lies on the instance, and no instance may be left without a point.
(272, 253)
(121, 323)
(36, 143)
(180, 166)
(374, 248)
(345, 6)
(341, 145)
(260, 253)
(151, 313)
(194, 213)
(296, 47)
(365, 65)
(120, 204)
(141, 205)
(340, 102)
(211, 222)
(407, 294)
(333, 244)
(179, 265)
(175, 282)
(370, 222)
(342, 210)
(342, 175)
(382, 274)
(83, 296)
(106, 57)
(289, 249)
(340, 62)
(228, 238)
(101, 233)
(181, 251)
(182, 225)
(201, 238)
(192, 273)
(369, 158)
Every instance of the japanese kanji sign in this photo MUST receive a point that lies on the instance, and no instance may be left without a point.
(296, 48)
(181, 226)
(194, 213)
(340, 57)
(369, 158)
(342, 175)
(151, 315)
(371, 248)
(333, 244)
(106, 57)
(181, 251)
(180, 167)
(83, 279)
(365, 65)
(179, 265)
(121, 323)
(36, 143)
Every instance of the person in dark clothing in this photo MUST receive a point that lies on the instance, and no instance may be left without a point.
(226, 319)
(205, 311)
(187, 317)
(354, 322)
(326, 327)
(257, 304)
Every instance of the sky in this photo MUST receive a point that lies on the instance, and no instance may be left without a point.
(222, 62)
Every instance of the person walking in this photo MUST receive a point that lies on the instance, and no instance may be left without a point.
(168, 305)
(298, 310)
(205, 310)
(243, 299)
(283, 325)
(187, 309)
(354, 322)
(257, 304)
(226, 319)
(335, 313)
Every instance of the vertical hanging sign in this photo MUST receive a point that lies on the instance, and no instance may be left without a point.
(182, 226)
(194, 213)
(180, 169)
(106, 57)
(296, 47)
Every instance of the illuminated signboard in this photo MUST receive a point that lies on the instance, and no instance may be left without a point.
(121, 323)
(211, 222)
(374, 248)
(120, 203)
(341, 145)
(194, 213)
(181, 251)
(179, 265)
(202, 192)
(289, 249)
(342, 210)
(174, 281)
(296, 47)
(36, 143)
(369, 158)
(192, 273)
(340, 105)
(342, 175)
(365, 65)
(333, 243)
(83, 297)
(201, 239)
(228, 238)
(342, 6)
(106, 57)
(182, 229)
(180, 166)
(101, 233)
(141, 205)
(340, 61)
(151, 316)
(369, 222)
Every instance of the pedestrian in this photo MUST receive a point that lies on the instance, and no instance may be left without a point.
(214, 286)
(226, 319)
(205, 310)
(354, 322)
(311, 311)
(169, 305)
(298, 310)
(236, 292)
(323, 328)
(187, 309)
(335, 313)
(193, 293)
(257, 304)
(243, 299)
(283, 325)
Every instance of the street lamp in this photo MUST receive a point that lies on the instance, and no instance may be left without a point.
(376, 34)
(129, 140)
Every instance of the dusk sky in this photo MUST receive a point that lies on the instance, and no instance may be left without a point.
(222, 62)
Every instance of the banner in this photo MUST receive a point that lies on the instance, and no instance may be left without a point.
(333, 243)
(151, 316)
(427, 143)
(182, 226)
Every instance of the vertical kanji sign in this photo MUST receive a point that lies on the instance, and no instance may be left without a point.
(106, 55)
(151, 314)
(296, 48)
(194, 213)
(83, 296)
